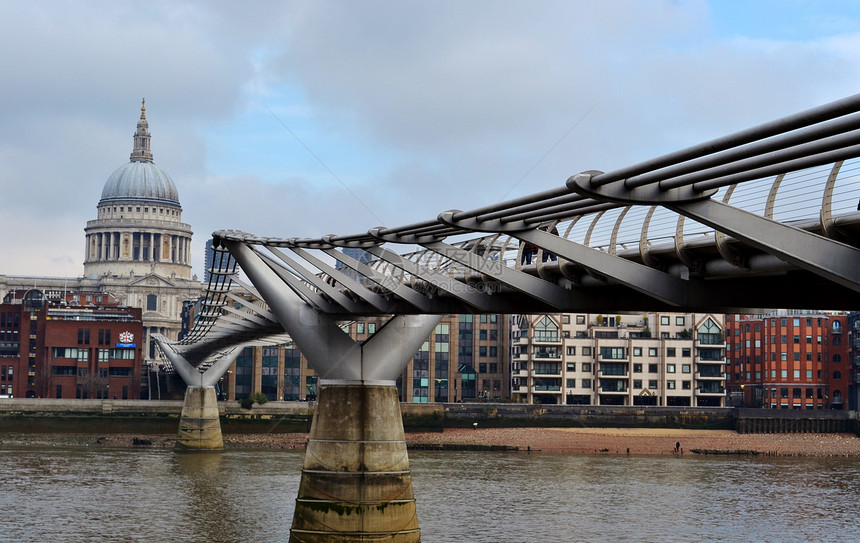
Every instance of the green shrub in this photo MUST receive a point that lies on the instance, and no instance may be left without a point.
(257, 397)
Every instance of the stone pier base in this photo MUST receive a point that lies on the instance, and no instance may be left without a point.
(356, 484)
(200, 425)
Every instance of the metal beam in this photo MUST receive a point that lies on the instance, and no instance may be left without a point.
(825, 257)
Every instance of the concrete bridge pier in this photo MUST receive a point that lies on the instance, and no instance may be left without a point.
(356, 484)
(200, 422)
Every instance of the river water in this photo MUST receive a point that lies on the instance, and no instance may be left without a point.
(95, 494)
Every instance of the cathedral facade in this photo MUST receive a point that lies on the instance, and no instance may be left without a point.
(137, 249)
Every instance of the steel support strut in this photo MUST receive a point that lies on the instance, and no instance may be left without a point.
(831, 259)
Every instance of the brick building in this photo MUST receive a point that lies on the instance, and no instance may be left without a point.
(789, 360)
(80, 345)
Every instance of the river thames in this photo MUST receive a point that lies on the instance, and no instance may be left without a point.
(85, 494)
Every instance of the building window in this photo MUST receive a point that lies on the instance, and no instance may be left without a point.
(546, 329)
(652, 384)
(670, 385)
(670, 351)
(586, 367)
(709, 333)
(151, 302)
(571, 350)
(652, 368)
(670, 368)
(637, 351)
(685, 368)
(586, 383)
(652, 351)
(664, 320)
(679, 321)
(580, 319)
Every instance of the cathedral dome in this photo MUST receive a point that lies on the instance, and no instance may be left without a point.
(140, 179)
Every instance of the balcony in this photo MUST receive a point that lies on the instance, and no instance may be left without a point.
(710, 375)
(711, 340)
(547, 339)
(705, 390)
(546, 373)
(710, 355)
(543, 389)
(522, 389)
(521, 372)
(551, 353)
(606, 389)
(613, 369)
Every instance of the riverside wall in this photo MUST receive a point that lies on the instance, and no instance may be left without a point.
(162, 417)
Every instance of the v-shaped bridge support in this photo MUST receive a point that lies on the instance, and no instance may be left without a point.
(200, 422)
(356, 484)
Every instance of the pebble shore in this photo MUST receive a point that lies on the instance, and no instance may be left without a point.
(574, 441)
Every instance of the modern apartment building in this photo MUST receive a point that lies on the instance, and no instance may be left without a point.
(789, 360)
(673, 359)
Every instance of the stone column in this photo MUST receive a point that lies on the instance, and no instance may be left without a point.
(356, 484)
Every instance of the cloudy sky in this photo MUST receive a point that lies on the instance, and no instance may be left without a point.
(309, 118)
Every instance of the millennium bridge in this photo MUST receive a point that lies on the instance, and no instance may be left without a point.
(764, 218)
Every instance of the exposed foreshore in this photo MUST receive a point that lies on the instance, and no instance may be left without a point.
(574, 441)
